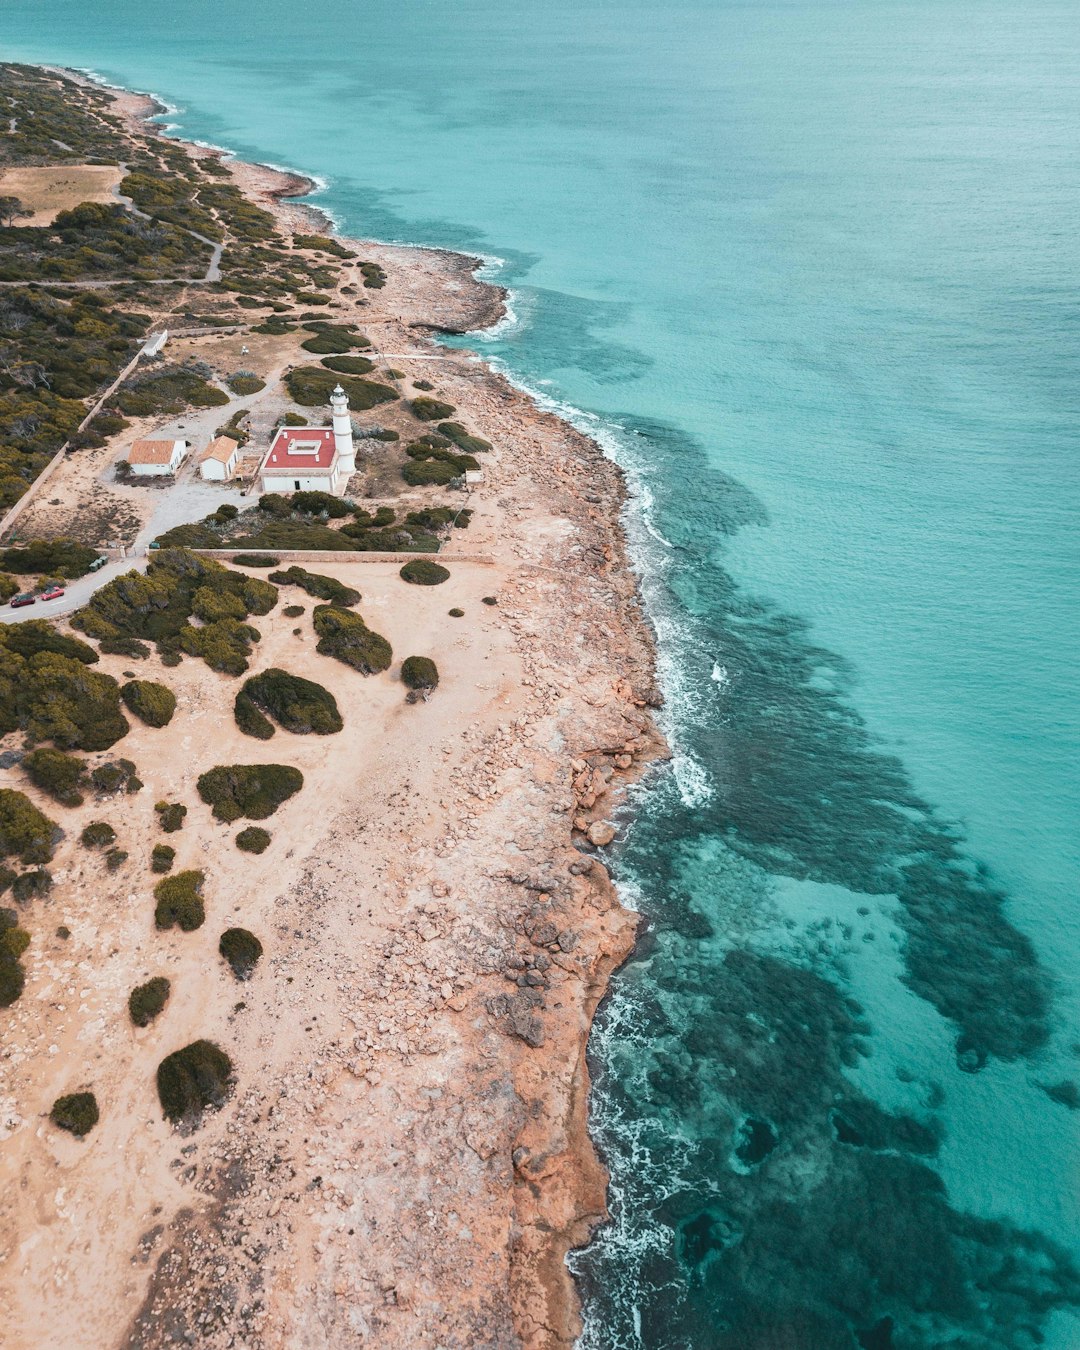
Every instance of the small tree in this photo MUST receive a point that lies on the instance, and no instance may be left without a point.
(420, 675)
(11, 210)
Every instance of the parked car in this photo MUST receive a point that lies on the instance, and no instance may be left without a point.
(17, 601)
(52, 593)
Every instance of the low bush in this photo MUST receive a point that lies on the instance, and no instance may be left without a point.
(38, 635)
(472, 445)
(349, 365)
(244, 383)
(13, 942)
(250, 720)
(489, 600)
(419, 673)
(456, 613)
(425, 385)
(242, 950)
(380, 434)
(424, 572)
(383, 516)
(293, 611)
(321, 587)
(116, 775)
(224, 645)
(255, 560)
(192, 1080)
(61, 776)
(374, 276)
(314, 503)
(57, 698)
(310, 386)
(300, 706)
(253, 839)
(170, 815)
(77, 1113)
(130, 647)
(227, 511)
(115, 858)
(151, 702)
(98, 834)
(25, 832)
(252, 790)
(65, 558)
(430, 473)
(147, 1001)
(31, 886)
(162, 857)
(179, 901)
(274, 504)
(430, 409)
(346, 637)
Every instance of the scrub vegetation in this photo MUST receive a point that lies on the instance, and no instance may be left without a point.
(346, 637)
(252, 790)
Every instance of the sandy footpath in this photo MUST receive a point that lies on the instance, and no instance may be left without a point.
(405, 1160)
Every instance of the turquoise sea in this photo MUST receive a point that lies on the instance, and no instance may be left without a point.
(810, 269)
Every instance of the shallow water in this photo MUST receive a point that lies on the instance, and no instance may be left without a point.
(809, 269)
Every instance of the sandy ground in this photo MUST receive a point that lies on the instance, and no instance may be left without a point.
(405, 1161)
(46, 191)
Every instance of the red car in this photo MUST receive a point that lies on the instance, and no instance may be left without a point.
(52, 593)
(17, 601)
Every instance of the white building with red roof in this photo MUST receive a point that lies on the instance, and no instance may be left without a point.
(312, 459)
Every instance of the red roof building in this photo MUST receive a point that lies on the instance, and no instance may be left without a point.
(307, 459)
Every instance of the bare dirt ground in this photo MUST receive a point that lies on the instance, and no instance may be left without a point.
(405, 1161)
(50, 189)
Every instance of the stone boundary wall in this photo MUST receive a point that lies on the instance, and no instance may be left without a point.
(340, 556)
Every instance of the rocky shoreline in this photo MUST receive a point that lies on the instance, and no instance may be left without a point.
(407, 1160)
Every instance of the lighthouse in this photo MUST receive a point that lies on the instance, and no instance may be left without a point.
(343, 441)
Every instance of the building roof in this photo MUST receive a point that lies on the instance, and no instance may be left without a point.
(153, 452)
(301, 450)
(221, 448)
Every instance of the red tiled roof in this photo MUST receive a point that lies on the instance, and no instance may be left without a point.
(300, 449)
(221, 448)
(151, 452)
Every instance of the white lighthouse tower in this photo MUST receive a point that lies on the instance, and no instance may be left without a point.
(343, 441)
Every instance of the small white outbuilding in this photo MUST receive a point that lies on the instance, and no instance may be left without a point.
(150, 459)
(219, 460)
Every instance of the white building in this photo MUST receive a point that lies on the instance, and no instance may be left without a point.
(154, 459)
(220, 459)
(312, 459)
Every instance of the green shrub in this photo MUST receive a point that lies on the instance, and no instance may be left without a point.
(179, 901)
(317, 585)
(98, 834)
(162, 857)
(430, 409)
(256, 559)
(115, 858)
(489, 600)
(419, 673)
(118, 775)
(77, 1113)
(25, 833)
(167, 389)
(152, 703)
(147, 1001)
(346, 637)
(10, 586)
(49, 557)
(31, 886)
(472, 445)
(252, 790)
(56, 698)
(61, 776)
(349, 365)
(38, 635)
(250, 720)
(424, 385)
(13, 943)
(274, 504)
(310, 386)
(381, 434)
(131, 647)
(224, 645)
(227, 511)
(293, 611)
(315, 503)
(191, 1080)
(170, 815)
(374, 276)
(300, 706)
(242, 950)
(456, 613)
(430, 473)
(423, 572)
(244, 382)
(253, 839)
